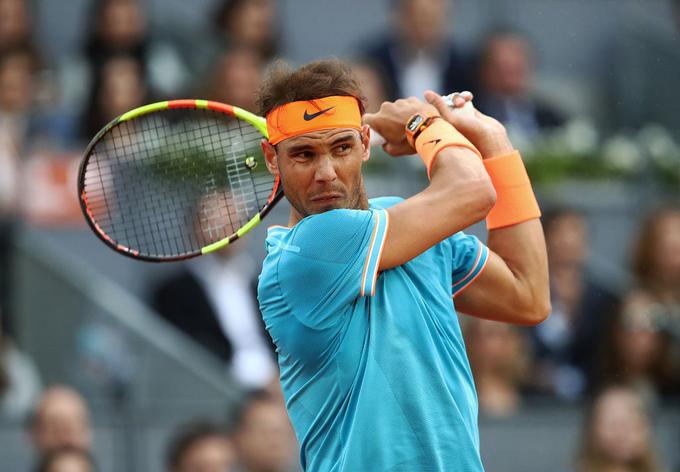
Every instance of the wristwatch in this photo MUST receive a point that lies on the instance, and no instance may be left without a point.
(417, 124)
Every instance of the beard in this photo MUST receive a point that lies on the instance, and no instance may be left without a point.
(354, 200)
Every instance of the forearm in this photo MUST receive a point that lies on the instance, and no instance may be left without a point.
(521, 247)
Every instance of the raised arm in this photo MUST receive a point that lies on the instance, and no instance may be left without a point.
(514, 286)
(460, 191)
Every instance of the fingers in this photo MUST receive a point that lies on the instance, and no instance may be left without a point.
(438, 102)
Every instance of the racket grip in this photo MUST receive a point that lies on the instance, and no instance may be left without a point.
(378, 140)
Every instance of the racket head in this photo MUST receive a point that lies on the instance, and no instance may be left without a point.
(176, 179)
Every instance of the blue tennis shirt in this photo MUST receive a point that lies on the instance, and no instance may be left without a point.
(373, 365)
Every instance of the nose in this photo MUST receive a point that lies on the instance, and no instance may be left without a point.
(325, 171)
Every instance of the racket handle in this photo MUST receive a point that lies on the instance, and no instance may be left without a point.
(378, 140)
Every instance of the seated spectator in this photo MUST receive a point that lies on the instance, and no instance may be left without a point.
(417, 55)
(249, 23)
(499, 361)
(67, 459)
(214, 301)
(121, 28)
(504, 86)
(263, 437)
(15, 25)
(637, 350)
(60, 419)
(656, 257)
(566, 344)
(372, 84)
(19, 381)
(200, 447)
(235, 78)
(119, 86)
(617, 435)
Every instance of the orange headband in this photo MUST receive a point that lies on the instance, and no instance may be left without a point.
(296, 118)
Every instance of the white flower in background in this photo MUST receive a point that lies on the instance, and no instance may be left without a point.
(623, 153)
(658, 143)
(581, 137)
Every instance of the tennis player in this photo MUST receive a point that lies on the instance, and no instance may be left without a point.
(358, 295)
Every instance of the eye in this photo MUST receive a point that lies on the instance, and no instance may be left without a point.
(343, 148)
(303, 155)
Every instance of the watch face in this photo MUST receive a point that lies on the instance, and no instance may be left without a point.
(415, 122)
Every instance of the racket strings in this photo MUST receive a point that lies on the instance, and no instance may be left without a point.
(170, 183)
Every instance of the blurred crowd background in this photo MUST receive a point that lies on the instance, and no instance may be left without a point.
(116, 365)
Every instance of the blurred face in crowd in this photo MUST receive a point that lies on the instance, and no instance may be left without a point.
(237, 78)
(16, 83)
(423, 22)
(122, 88)
(638, 339)
(371, 86)
(70, 462)
(61, 420)
(494, 348)
(666, 246)
(567, 241)
(209, 454)
(252, 23)
(506, 67)
(14, 22)
(121, 23)
(620, 429)
(265, 440)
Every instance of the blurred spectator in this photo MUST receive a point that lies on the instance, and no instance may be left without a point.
(214, 302)
(200, 447)
(656, 256)
(121, 28)
(498, 355)
(67, 459)
(19, 381)
(60, 419)
(372, 84)
(17, 88)
(566, 344)
(617, 435)
(504, 86)
(417, 54)
(15, 25)
(249, 23)
(119, 86)
(235, 78)
(637, 350)
(263, 436)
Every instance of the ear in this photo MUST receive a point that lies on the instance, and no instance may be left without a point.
(270, 157)
(365, 133)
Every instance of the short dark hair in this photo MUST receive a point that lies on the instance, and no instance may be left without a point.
(187, 437)
(318, 79)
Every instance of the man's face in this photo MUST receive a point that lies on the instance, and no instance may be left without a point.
(321, 170)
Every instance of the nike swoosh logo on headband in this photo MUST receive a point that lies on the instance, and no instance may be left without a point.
(309, 117)
(434, 142)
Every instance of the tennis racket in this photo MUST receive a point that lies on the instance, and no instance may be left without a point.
(177, 179)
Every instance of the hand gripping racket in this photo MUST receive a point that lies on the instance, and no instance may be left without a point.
(177, 179)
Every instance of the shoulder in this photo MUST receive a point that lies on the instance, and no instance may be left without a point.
(384, 202)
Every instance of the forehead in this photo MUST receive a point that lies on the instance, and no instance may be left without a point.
(316, 138)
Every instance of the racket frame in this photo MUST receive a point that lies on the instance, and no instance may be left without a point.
(256, 121)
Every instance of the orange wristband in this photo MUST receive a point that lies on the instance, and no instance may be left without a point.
(437, 136)
(515, 200)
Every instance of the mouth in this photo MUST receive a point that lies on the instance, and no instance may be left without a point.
(324, 198)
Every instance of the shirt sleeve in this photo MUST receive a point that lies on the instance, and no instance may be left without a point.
(470, 256)
(332, 259)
